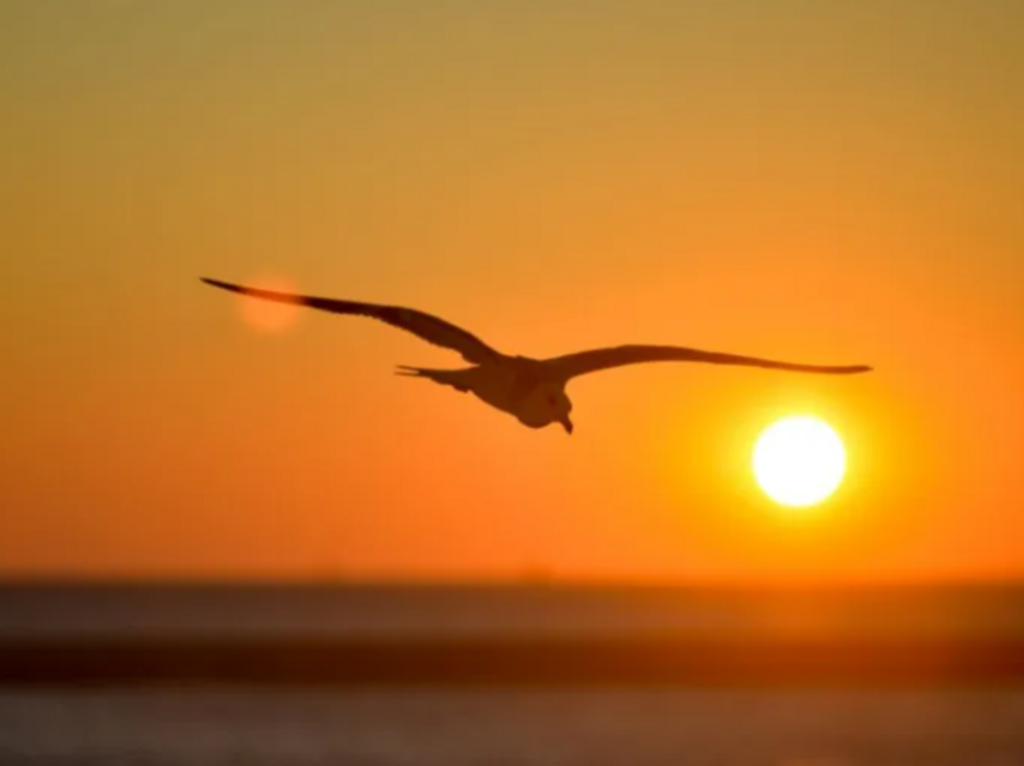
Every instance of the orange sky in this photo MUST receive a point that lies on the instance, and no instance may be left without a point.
(836, 183)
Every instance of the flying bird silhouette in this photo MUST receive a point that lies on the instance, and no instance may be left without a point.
(531, 390)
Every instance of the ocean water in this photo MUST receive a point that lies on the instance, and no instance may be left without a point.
(496, 728)
(211, 726)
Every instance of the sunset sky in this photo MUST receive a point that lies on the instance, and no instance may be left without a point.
(815, 181)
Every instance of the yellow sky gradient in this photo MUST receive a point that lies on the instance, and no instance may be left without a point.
(821, 182)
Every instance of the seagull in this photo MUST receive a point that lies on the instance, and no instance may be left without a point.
(531, 390)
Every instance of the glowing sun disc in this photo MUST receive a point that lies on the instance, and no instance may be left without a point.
(799, 461)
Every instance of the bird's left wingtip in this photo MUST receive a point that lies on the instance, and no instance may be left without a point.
(217, 283)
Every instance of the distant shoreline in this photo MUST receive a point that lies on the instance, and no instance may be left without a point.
(509, 663)
(528, 579)
(350, 635)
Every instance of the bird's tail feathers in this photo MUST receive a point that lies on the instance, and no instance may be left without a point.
(412, 372)
(444, 377)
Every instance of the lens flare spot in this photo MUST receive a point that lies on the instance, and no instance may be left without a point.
(269, 316)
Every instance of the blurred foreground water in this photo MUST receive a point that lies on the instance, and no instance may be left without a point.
(514, 728)
(585, 725)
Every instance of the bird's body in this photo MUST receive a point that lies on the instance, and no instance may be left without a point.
(532, 390)
(514, 384)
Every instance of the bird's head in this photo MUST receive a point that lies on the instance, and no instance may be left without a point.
(559, 408)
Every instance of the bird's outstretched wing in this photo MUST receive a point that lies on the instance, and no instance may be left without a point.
(430, 328)
(571, 365)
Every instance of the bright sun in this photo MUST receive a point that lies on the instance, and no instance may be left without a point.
(799, 461)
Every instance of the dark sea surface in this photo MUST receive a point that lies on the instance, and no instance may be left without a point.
(597, 725)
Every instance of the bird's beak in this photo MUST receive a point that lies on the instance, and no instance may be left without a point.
(566, 423)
